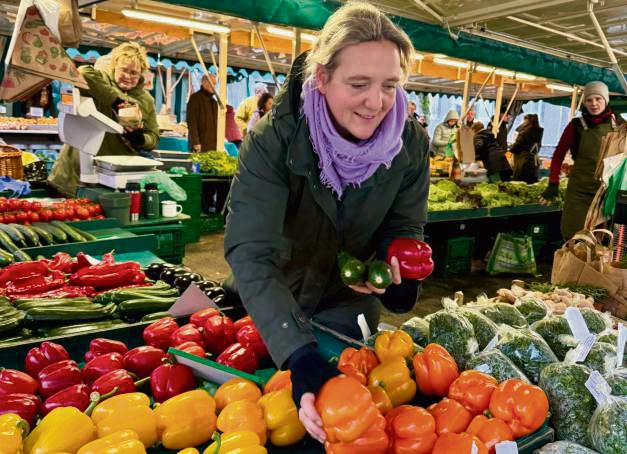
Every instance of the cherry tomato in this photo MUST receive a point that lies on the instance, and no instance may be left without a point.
(46, 214)
(21, 217)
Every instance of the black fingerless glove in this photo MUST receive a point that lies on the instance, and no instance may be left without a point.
(551, 191)
(309, 371)
(401, 298)
(136, 138)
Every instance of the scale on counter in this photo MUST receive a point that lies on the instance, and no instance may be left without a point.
(116, 171)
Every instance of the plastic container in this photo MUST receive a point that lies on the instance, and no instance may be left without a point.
(136, 200)
(152, 205)
(116, 205)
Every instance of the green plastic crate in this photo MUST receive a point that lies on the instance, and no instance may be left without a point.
(213, 222)
(170, 241)
(191, 234)
(461, 247)
(454, 257)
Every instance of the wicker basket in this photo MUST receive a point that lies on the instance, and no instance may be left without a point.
(11, 162)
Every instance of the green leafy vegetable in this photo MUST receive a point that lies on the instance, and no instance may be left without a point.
(454, 332)
(503, 313)
(526, 349)
(602, 357)
(556, 332)
(418, 329)
(532, 309)
(485, 329)
(596, 321)
(564, 447)
(216, 163)
(608, 427)
(495, 363)
(617, 379)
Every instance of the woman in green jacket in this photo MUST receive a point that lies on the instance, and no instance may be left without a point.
(123, 83)
(336, 166)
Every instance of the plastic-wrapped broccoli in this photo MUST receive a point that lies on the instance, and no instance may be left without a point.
(608, 427)
(485, 329)
(564, 447)
(617, 379)
(611, 337)
(454, 332)
(526, 349)
(495, 363)
(418, 329)
(556, 332)
(570, 402)
(596, 321)
(532, 309)
(602, 357)
(503, 313)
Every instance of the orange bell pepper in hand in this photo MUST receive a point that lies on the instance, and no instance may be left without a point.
(490, 431)
(435, 370)
(473, 389)
(392, 344)
(450, 416)
(411, 430)
(236, 389)
(281, 379)
(393, 375)
(522, 406)
(381, 399)
(346, 409)
(373, 441)
(357, 363)
(459, 444)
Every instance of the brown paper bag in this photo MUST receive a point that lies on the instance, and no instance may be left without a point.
(465, 145)
(613, 143)
(70, 27)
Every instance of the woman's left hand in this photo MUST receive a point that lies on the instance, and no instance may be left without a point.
(368, 288)
(128, 129)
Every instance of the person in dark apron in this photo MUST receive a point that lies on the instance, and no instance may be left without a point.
(582, 137)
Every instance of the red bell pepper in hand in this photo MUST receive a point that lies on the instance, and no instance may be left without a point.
(199, 318)
(24, 405)
(414, 257)
(39, 357)
(158, 334)
(58, 376)
(143, 360)
(192, 348)
(169, 380)
(119, 379)
(218, 334)
(100, 346)
(244, 321)
(76, 396)
(249, 337)
(100, 365)
(240, 358)
(186, 333)
(15, 381)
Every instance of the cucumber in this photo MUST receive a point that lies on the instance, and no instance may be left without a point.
(78, 299)
(121, 295)
(72, 233)
(8, 324)
(36, 316)
(143, 306)
(7, 243)
(80, 328)
(44, 236)
(22, 336)
(21, 256)
(31, 237)
(7, 311)
(155, 316)
(57, 303)
(59, 235)
(6, 258)
(15, 235)
(87, 235)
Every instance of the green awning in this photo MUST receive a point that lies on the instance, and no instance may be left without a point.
(312, 14)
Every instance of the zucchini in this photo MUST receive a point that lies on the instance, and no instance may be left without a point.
(80, 328)
(143, 306)
(44, 236)
(8, 311)
(59, 235)
(31, 237)
(6, 258)
(73, 234)
(15, 235)
(19, 301)
(7, 243)
(87, 235)
(39, 315)
(21, 256)
(155, 316)
(8, 324)
(53, 303)
(24, 335)
(119, 296)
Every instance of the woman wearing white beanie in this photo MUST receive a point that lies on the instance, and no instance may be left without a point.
(582, 137)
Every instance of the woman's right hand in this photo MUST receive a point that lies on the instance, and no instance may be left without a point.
(368, 288)
(310, 417)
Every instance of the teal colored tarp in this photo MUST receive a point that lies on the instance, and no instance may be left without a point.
(312, 14)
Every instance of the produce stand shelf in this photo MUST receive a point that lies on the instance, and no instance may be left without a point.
(477, 213)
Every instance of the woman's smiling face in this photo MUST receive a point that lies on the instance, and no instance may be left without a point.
(362, 88)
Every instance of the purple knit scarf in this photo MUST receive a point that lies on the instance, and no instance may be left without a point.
(343, 162)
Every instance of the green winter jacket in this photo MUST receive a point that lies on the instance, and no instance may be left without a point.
(285, 228)
(65, 174)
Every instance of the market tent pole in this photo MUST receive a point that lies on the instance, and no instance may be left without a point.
(222, 68)
(478, 95)
(573, 103)
(509, 105)
(296, 43)
(497, 107)
(267, 55)
(205, 72)
(466, 93)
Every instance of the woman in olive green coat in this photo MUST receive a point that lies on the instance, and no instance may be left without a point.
(336, 166)
(110, 89)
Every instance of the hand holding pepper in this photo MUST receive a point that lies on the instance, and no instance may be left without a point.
(367, 288)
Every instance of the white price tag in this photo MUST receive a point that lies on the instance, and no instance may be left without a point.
(598, 387)
(192, 300)
(620, 344)
(577, 324)
(583, 349)
(36, 112)
(506, 447)
(363, 326)
(492, 344)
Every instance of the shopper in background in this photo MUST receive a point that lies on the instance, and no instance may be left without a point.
(248, 107)
(264, 105)
(489, 152)
(444, 133)
(202, 117)
(411, 110)
(422, 120)
(583, 137)
(111, 89)
(338, 164)
(526, 149)
(233, 134)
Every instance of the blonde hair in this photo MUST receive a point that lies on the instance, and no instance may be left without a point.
(355, 23)
(130, 52)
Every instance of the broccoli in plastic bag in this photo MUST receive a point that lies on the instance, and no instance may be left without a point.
(617, 379)
(556, 332)
(608, 427)
(454, 332)
(503, 313)
(602, 357)
(532, 309)
(596, 321)
(570, 402)
(418, 329)
(495, 363)
(564, 447)
(610, 336)
(526, 349)
(485, 329)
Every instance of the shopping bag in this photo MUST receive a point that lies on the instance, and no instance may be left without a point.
(612, 144)
(70, 27)
(464, 145)
(512, 253)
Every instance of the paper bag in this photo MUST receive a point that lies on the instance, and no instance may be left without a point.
(70, 27)
(465, 145)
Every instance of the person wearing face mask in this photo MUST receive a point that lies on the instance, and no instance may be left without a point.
(338, 166)
(112, 89)
(583, 137)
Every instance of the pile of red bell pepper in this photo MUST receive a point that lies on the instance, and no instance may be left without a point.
(47, 278)
(235, 344)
